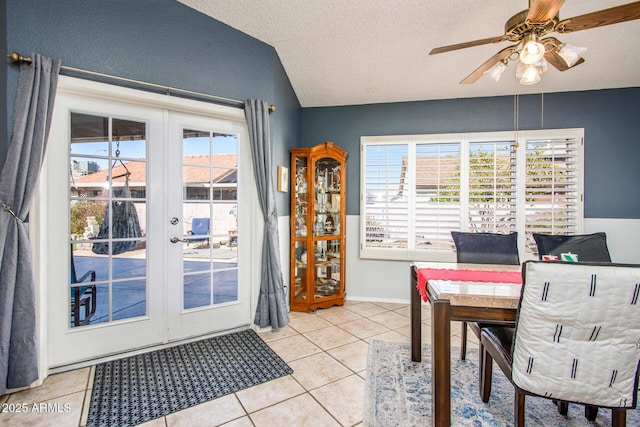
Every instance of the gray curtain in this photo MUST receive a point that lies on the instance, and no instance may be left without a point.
(272, 302)
(32, 119)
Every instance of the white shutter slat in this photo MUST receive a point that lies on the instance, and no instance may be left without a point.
(551, 188)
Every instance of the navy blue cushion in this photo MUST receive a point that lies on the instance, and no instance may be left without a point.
(486, 248)
(588, 247)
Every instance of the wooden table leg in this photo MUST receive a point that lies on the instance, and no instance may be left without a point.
(441, 362)
(416, 317)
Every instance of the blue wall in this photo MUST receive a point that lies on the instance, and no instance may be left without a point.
(158, 41)
(612, 144)
(165, 42)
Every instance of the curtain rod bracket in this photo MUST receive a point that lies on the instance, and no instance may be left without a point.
(18, 59)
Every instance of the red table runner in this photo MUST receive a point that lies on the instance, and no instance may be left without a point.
(426, 274)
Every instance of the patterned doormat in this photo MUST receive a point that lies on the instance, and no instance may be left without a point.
(140, 388)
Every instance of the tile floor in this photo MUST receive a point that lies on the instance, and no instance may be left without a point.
(327, 351)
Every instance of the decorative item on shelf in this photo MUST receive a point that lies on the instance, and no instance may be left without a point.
(301, 181)
(318, 202)
(328, 224)
(334, 185)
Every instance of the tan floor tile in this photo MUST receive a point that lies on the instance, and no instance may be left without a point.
(426, 332)
(390, 319)
(277, 334)
(364, 328)
(324, 358)
(211, 413)
(351, 303)
(158, 422)
(353, 355)
(366, 309)
(299, 411)
(85, 407)
(328, 338)
(60, 411)
(403, 311)
(392, 305)
(337, 315)
(308, 322)
(344, 399)
(294, 347)
(269, 393)
(391, 336)
(318, 370)
(54, 386)
(240, 422)
(92, 374)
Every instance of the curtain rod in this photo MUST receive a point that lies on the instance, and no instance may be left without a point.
(17, 58)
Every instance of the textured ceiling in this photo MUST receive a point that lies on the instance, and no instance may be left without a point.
(346, 52)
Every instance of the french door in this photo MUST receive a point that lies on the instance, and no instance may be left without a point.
(143, 206)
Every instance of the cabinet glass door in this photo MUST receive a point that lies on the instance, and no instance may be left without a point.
(301, 190)
(327, 202)
(327, 268)
(300, 272)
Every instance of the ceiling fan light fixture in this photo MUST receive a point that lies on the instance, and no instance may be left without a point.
(570, 53)
(496, 71)
(532, 50)
(528, 74)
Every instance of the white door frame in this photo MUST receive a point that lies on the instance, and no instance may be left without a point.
(39, 236)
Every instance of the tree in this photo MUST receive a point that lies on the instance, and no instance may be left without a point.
(80, 210)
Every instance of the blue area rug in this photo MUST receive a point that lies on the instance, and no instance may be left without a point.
(398, 393)
(140, 388)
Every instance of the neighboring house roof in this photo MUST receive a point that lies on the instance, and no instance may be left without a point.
(224, 170)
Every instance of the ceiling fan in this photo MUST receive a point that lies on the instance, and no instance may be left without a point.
(527, 28)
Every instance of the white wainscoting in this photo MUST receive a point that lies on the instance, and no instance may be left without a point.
(623, 236)
(285, 250)
(388, 281)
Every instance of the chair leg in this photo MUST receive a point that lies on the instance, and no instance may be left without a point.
(486, 372)
(518, 408)
(563, 407)
(463, 341)
(618, 417)
(590, 412)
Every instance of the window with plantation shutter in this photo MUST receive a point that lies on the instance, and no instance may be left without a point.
(492, 187)
(386, 221)
(416, 189)
(437, 195)
(552, 187)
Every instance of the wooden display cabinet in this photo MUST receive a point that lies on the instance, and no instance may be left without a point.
(318, 225)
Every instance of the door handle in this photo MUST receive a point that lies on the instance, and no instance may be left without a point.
(176, 239)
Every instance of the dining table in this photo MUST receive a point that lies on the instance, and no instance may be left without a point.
(457, 292)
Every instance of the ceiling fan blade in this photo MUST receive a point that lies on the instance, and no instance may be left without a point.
(464, 45)
(551, 45)
(614, 15)
(478, 72)
(544, 10)
(556, 60)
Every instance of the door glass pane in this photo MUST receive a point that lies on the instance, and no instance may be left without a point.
(210, 218)
(107, 211)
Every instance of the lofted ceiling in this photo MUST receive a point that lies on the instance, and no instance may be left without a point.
(348, 52)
